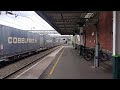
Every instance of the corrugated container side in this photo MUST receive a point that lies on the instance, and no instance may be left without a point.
(10, 46)
(42, 42)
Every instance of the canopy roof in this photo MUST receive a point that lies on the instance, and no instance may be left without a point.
(68, 22)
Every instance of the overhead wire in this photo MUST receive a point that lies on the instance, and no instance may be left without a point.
(30, 19)
(20, 22)
(20, 15)
(39, 18)
(9, 22)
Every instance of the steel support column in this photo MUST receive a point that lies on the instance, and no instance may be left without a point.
(96, 59)
(75, 40)
(116, 45)
(81, 40)
(84, 33)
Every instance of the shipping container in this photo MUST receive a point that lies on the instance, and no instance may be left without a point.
(14, 41)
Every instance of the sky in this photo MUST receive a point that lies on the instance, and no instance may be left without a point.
(25, 20)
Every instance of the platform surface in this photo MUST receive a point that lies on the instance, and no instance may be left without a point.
(73, 66)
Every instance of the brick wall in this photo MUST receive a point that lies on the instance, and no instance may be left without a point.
(90, 35)
(105, 32)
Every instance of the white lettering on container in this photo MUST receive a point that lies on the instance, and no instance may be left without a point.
(9, 40)
(14, 40)
(21, 40)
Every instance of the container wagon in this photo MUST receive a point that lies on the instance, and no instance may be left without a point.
(15, 42)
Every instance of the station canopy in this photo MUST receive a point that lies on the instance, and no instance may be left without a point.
(68, 22)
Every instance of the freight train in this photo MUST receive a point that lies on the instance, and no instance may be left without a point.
(15, 43)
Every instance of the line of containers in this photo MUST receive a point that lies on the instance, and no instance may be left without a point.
(14, 42)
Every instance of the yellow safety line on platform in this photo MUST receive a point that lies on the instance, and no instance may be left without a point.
(52, 70)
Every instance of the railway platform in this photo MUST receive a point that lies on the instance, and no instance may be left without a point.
(66, 63)
(70, 65)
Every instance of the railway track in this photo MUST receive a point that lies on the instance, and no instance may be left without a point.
(15, 67)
